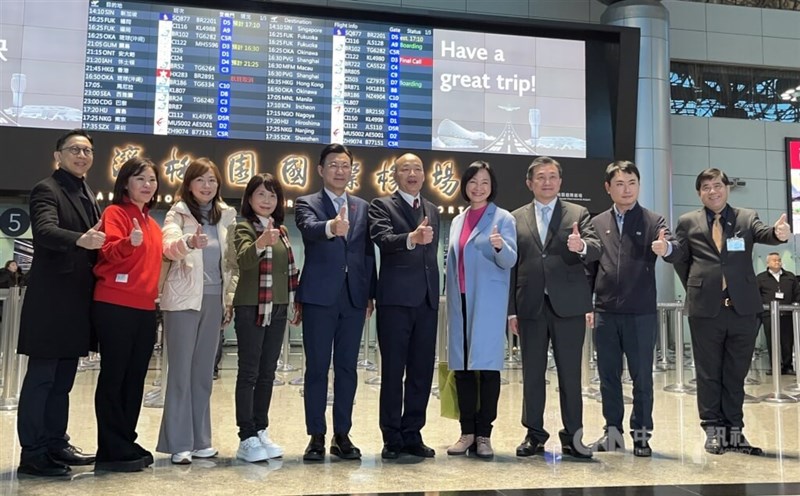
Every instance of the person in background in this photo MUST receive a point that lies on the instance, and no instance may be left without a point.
(124, 314)
(778, 284)
(197, 297)
(482, 251)
(55, 326)
(265, 291)
(11, 276)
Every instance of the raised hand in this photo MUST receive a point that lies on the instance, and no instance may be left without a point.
(423, 234)
(340, 224)
(269, 237)
(92, 239)
(574, 241)
(136, 234)
(199, 239)
(660, 245)
(496, 239)
(782, 229)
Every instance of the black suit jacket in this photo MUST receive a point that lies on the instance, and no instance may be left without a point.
(702, 266)
(56, 312)
(403, 272)
(552, 265)
(788, 285)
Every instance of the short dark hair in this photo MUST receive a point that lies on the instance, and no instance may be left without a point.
(270, 183)
(130, 168)
(69, 134)
(543, 161)
(710, 175)
(473, 169)
(773, 253)
(334, 148)
(622, 167)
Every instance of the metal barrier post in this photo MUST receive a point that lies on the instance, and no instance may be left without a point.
(441, 342)
(587, 390)
(796, 331)
(365, 363)
(284, 365)
(376, 379)
(776, 396)
(12, 372)
(663, 328)
(155, 397)
(679, 386)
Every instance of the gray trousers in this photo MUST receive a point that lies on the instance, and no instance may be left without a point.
(191, 340)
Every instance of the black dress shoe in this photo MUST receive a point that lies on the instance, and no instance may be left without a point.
(571, 445)
(342, 447)
(390, 452)
(788, 371)
(642, 449)
(714, 444)
(769, 372)
(315, 451)
(530, 447)
(607, 444)
(42, 465)
(147, 457)
(419, 449)
(133, 464)
(737, 443)
(71, 455)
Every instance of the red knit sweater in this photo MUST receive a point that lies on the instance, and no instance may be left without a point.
(127, 275)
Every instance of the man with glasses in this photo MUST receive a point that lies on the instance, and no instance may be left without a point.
(337, 286)
(405, 228)
(715, 265)
(55, 324)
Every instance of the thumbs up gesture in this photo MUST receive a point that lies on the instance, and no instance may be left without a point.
(269, 237)
(782, 229)
(574, 242)
(94, 238)
(423, 234)
(660, 245)
(496, 239)
(136, 234)
(340, 225)
(199, 239)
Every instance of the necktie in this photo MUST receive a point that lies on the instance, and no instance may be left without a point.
(716, 235)
(339, 201)
(416, 203)
(545, 222)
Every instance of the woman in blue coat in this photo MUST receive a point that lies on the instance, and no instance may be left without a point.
(483, 248)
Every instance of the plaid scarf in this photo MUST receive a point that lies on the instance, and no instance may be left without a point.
(265, 275)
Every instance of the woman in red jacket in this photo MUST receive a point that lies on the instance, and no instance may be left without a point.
(124, 314)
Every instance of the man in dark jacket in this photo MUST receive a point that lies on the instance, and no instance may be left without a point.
(55, 324)
(776, 284)
(624, 284)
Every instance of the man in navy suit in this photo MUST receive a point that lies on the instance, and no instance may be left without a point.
(405, 227)
(336, 291)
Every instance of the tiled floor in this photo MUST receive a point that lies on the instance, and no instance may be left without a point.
(679, 466)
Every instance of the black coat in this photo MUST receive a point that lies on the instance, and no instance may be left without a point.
(788, 285)
(56, 311)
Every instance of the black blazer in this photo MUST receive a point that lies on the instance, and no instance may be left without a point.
(701, 265)
(56, 312)
(403, 272)
(788, 285)
(552, 266)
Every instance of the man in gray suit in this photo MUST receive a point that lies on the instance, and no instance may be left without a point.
(723, 304)
(550, 295)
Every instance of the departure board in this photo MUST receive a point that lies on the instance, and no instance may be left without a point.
(199, 72)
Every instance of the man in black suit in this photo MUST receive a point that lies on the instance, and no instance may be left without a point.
(624, 284)
(55, 326)
(550, 296)
(723, 304)
(405, 227)
(777, 284)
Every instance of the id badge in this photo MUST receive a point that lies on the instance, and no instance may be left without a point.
(735, 244)
(779, 295)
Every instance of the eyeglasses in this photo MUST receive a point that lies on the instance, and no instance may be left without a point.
(708, 188)
(343, 166)
(77, 150)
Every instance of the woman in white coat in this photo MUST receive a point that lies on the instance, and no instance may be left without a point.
(482, 250)
(196, 300)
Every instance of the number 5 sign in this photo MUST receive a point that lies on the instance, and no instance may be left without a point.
(14, 222)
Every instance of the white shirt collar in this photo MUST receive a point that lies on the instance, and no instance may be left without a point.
(551, 204)
(408, 198)
(333, 196)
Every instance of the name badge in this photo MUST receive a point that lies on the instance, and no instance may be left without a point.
(122, 278)
(735, 244)
(779, 295)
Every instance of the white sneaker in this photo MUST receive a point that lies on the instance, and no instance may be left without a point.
(182, 458)
(205, 453)
(251, 450)
(273, 450)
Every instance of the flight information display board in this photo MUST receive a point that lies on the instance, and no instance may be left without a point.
(199, 72)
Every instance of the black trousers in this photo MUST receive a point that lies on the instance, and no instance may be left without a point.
(407, 337)
(567, 335)
(723, 347)
(634, 337)
(786, 335)
(259, 349)
(476, 413)
(43, 410)
(126, 337)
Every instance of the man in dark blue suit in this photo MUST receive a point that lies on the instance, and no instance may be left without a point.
(405, 227)
(336, 291)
